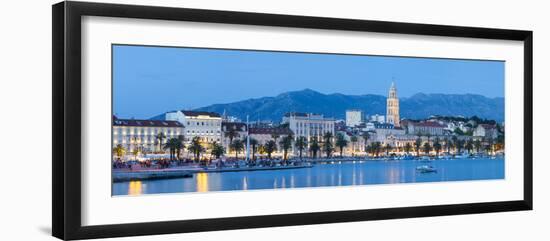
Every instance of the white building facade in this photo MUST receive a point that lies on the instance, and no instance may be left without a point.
(205, 125)
(309, 125)
(378, 118)
(486, 131)
(143, 134)
(354, 117)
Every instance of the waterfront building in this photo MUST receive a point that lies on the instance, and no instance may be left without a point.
(425, 128)
(309, 125)
(354, 117)
(377, 118)
(205, 125)
(486, 131)
(392, 107)
(142, 134)
(370, 126)
(238, 129)
(400, 141)
(265, 134)
(384, 130)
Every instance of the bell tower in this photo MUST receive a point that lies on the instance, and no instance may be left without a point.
(392, 106)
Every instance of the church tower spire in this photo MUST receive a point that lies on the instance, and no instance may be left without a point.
(392, 106)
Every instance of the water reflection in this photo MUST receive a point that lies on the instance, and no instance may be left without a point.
(135, 188)
(344, 174)
(202, 182)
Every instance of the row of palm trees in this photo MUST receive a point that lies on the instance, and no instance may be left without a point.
(175, 146)
(315, 146)
(438, 146)
(285, 143)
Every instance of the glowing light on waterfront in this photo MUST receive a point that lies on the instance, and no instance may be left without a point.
(202, 182)
(135, 188)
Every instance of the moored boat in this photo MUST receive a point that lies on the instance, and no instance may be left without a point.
(425, 169)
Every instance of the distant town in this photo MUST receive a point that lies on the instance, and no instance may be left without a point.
(203, 137)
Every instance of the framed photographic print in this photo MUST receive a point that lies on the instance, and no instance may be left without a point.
(170, 120)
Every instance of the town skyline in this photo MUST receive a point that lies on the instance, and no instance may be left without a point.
(200, 142)
(149, 80)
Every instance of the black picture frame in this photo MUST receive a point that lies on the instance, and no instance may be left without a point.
(66, 159)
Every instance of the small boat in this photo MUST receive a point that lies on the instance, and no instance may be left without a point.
(425, 169)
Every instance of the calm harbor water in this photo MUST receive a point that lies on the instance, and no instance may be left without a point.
(322, 175)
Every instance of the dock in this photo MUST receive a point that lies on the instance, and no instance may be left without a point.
(152, 174)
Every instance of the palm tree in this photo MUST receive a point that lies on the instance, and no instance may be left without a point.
(459, 145)
(180, 145)
(427, 148)
(376, 147)
(135, 152)
(231, 134)
(217, 150)
(314, 147)
(437, 146)
(489, 146)
(270, 147)
(499, 143)
(196, 148)
(455, 142)
(448, 145)
(237, 146)
(172, 144)
(275, 137)
(469, 146)
(353, 140)
(417, 145)
(160, 136)
(261, 149)
(119, 150)
(477, 145)
(301, 144)
(341, 142)
(327, 144)
(286, 143)
(408, 148)
(368, 150)
(254, 144)
(365, 135)
(387, 148)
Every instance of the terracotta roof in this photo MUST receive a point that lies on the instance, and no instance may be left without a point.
(268, 131)
(197, 113)
(145, 123)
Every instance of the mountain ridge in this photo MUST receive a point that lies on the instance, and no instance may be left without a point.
(417, 106)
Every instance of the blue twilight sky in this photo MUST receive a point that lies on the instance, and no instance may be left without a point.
(148, 81)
